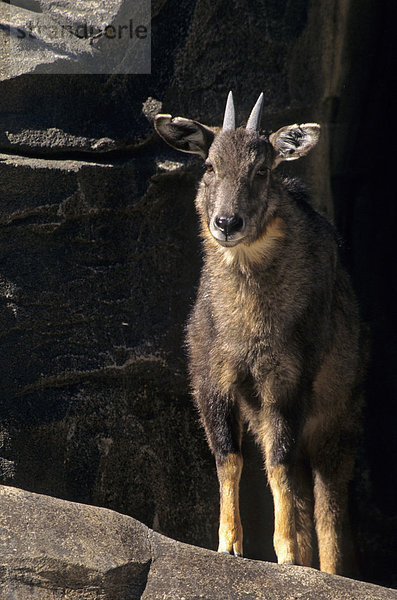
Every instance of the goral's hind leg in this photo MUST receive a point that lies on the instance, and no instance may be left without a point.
(331, 481)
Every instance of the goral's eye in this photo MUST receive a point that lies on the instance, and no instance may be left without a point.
(208, 167)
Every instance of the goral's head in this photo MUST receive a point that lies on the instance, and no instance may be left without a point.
(233, 194)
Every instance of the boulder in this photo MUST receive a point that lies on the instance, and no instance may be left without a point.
(51, 549)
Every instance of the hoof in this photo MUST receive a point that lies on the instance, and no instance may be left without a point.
(231, 553)
(225, 552)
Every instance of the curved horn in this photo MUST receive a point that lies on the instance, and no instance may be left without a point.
(229, 120)
(254, 120)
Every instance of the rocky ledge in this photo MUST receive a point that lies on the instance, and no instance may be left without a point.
(53, 549)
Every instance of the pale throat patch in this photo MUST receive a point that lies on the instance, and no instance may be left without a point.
(262, 249)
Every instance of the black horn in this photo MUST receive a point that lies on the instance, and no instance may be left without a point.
(254, 120)
(229, 120)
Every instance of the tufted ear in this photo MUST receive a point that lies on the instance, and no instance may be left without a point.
(293, 141)
(184, 134)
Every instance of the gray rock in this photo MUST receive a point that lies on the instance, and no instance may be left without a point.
(105, 305)
(51, 549)
(56, 549)
(47, 37)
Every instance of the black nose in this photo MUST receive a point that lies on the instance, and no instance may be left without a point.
(229, 225)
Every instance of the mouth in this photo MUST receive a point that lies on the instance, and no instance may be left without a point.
(227, 241)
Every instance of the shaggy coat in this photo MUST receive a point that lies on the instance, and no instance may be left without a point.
(273, 337)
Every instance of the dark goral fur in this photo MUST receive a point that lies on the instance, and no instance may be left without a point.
(274, 343)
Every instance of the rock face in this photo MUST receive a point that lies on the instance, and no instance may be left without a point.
(52, 549)
(100, 258)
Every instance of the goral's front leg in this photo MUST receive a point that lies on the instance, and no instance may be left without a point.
(285, 537)
(220, 415)
(280, 432)
(230, 529)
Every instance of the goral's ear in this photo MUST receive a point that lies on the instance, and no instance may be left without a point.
(184, 134)
(293, 141)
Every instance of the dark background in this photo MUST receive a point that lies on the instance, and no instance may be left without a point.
(99, 258)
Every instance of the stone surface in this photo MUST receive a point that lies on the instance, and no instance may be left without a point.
(99, 255)
(47, 37)
(52, 549)
(85, 279)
